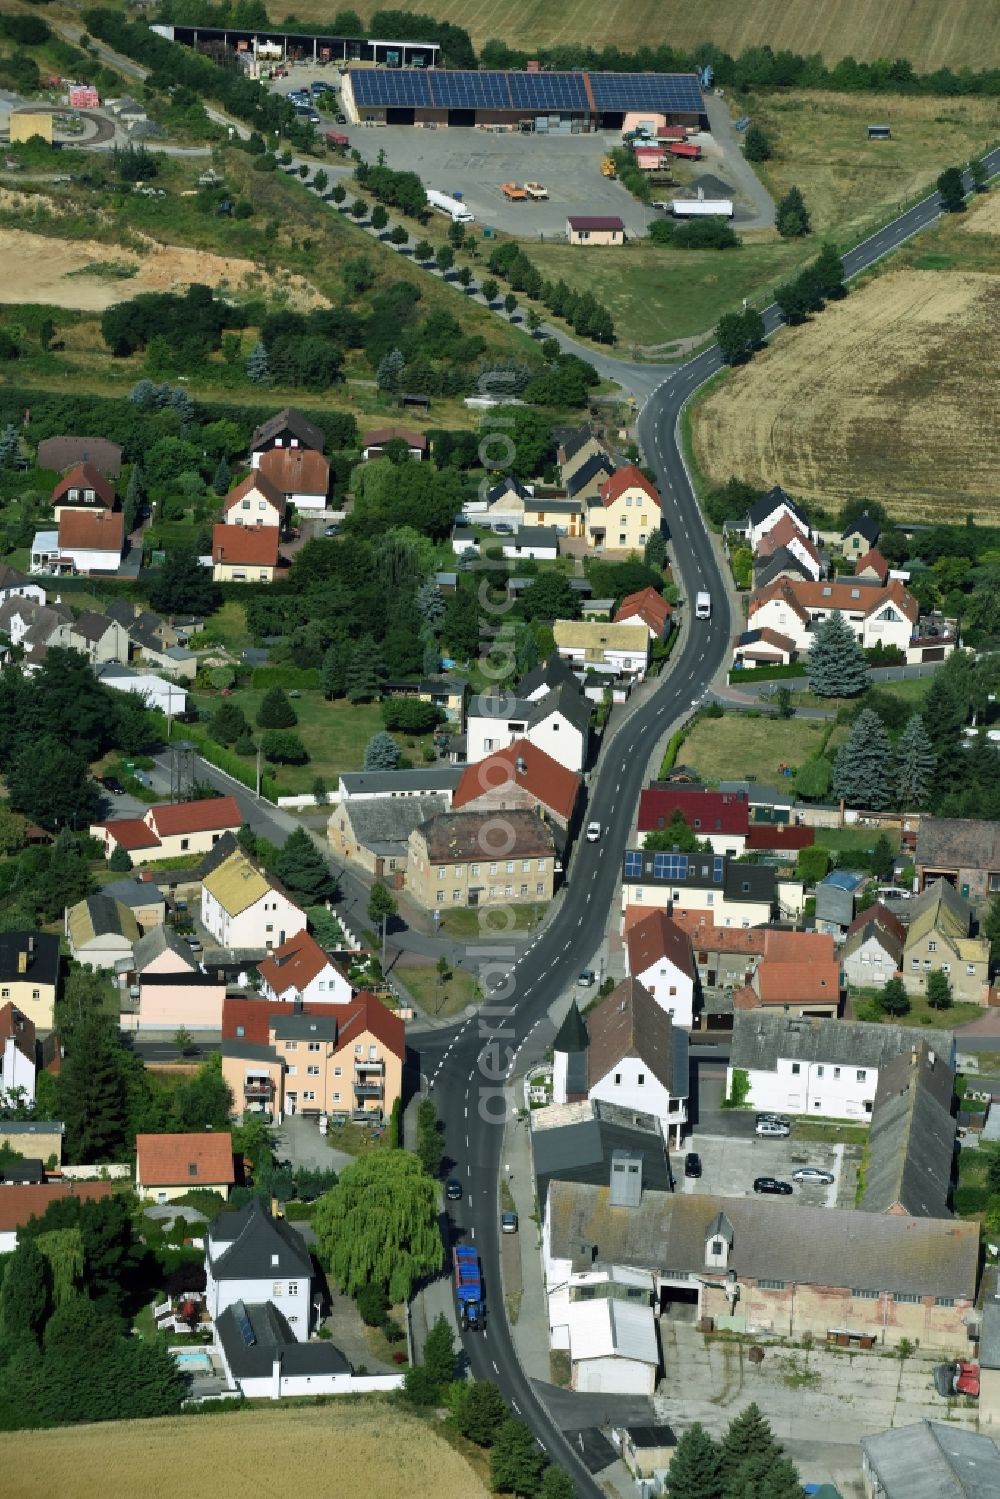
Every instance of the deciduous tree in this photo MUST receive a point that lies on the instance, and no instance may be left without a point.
(894, 999)
(516, 1461)
(792, 215)
(379, 1223)
(939, 995)
(952, 190)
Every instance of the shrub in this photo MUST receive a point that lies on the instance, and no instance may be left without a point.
(284, 747)
(373, 1305)
(971, 1198)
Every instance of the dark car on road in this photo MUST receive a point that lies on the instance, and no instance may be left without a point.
(692, 1164)
(772, 1186)
(453, 1189)
(112, 784)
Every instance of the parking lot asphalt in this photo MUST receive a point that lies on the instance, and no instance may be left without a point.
(730, 1164)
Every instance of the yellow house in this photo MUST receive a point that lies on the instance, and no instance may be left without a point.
(244, 554)
(29, 975)
(626, 514)
(168, 1166)
(478, 859)
(595, 229)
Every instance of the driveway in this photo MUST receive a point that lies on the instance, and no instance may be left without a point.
(756, 211)
(299, 1142)
(730, 1164)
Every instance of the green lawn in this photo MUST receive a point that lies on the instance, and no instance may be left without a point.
(434, 995)
(908, 689)
(656, 295)
(739, 747)
(479, 923)
(855, 840)
(919, 1013)
(335, 734)
(829, 1131)
(227, 626)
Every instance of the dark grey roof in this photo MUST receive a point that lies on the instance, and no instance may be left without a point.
(273, 1338)
(190, 979)
(758, 795)
(776, 1239)
(911, 1142)
(92, 626)
(934, 1460)
(760, 1038)
(567, 700)
(429, 778)
(250, 1051)
(533, 536)
(651, 1436)
(507, 486)
(121, 611)
(865, 525)
(572, 1034)
(750, 882)
(157, 940)
(133, 892)
(989, 1337)
(778, 565)
(32, 1127)
(295, 1026)
(598, 463)
(218, 853)
(582, 1151)
(288, 420)
(555, 671)
(242, 1246)
(953, 843)
(42, 949)
(574, 440)
(770, 502)
(502, 707)
(63, 452)
(383, 824)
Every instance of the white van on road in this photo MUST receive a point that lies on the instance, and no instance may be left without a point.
(703, 605)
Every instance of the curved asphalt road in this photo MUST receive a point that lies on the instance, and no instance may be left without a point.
(466, 1063)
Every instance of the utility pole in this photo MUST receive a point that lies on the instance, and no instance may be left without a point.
(258, 772)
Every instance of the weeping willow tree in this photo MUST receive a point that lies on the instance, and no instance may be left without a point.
(63, 1248)
(379, 1224)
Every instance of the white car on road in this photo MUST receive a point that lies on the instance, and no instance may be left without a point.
(593, 832)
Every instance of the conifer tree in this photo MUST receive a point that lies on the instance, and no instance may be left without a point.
(861, 774)
(913, 768)
(836, 665)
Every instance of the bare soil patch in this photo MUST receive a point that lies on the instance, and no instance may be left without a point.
(40, 268)
(889, 394)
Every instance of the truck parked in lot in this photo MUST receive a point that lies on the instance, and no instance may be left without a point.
(536, 191)
(513, 193)
(468, 1286)
(453, 207)
(695, 208)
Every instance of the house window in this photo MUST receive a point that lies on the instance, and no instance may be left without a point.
(37, 993)
(313, 1046)
(970, 969)
(932, 946)
(909, 1297)
(337, 1071)
(510, 866)
(862, 1074)
(796, 1069)
(539, 888)
(541, 866)
(524, 889)
(277, 1288)
(336, 1098)
(474, 870)
(241, 1030)
(442, 872)
(293, 1071)
(944, 1301)
(819, 1071)
(440, 897)
(312, 1071)
(508, 889)
(493, 869)
(309, 1097)
(641, 1079)
(358, 1050)
(836, 1072)
(291, 1046)
(293, 1288)
(618, 1079)
(185, 844)
(865, 1295)
(716, 1246)
(525, 866)
(770, 1285)
(914, 962)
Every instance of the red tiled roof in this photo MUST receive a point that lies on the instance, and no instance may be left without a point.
(369, 1014)
(92, 530)
(707, 937)
(703, 811)
(379, 436)
(195, 1160)
(296, 471)
(656, 937)
(781, 534)
(247, 546)
(18, 1204)
(647, 605)
(882, 916)
(802, 595)
(629, 477)
(765, 835)
(260, 481)
(15, 1025)
(257, 1016)
(130, 833)
(798, 947)
(549, 782)
(86, 476)
(812, 982)
(595, 221)
(873, 561)
(294, 964)
(208, 815)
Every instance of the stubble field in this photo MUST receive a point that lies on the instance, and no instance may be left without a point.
(337, 1451)
(889, 394)
(929, 34)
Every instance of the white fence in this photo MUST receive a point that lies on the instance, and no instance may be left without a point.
(96, 1173)
(306, 799)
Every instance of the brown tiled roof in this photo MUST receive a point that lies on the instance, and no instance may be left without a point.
(953, 843)
(379, 436)
(296, 471)
(461, 837)
(61, 452)
(595, 221)
(780, 836)
(17, 1027)
(544, 778)
(629, 1023)
(647, 605)
(262, 483)
(130, 833)
(656, 937)
(86, 476)
(781, 534)
(874, 561)
(92, 530)
(208, 815)
(629, 477)
(778, 982)
(18, 1204)
(294, 964)
(804, 595)
(878, 915)
(248, 546)
(175, 1160)
(257, 1018)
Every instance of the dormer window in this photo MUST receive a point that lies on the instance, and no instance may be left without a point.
(717, 1246)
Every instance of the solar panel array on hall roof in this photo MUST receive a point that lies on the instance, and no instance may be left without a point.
(429, 88)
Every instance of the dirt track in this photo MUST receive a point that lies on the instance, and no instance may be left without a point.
(39, 268)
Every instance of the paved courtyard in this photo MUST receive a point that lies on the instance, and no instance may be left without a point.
(729, 1166)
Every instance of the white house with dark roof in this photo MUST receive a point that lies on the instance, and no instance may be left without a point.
(558, 723)
(636, 1058)
(253, 1258)
(658, 954)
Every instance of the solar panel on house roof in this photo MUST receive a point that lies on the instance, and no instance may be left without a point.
(538, 91)
(664, 92)
(633, 863)
(396, 88)
(670, 866)
(246, 1328)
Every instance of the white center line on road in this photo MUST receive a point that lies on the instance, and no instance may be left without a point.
(516, 1406)
(496, 1370)
(472, 1233)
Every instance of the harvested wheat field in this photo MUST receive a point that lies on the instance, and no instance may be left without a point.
(983, 216)
(337, 1451)
(55, 271)
(929, 34)
(889, 394)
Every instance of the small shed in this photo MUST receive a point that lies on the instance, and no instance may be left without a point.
(880, 132)
(836, 898)
(595, 229)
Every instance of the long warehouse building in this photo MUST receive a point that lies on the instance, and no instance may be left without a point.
(541, 101)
